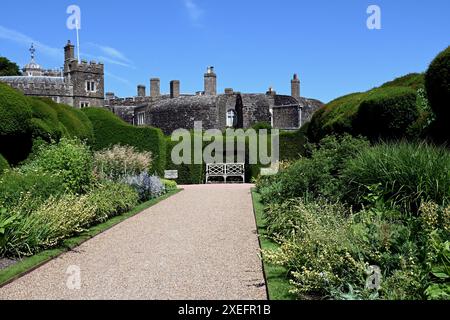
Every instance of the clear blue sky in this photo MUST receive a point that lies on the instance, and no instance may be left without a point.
(253, 44)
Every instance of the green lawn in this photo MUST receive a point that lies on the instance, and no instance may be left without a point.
(276, 276)
(28, 264)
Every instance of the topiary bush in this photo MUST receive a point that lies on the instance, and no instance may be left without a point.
(341, 115)
(437, 83)
(45, 124)
(4, 165)
(387, 114)
(76, 124)
(110, 130)
(15, 116)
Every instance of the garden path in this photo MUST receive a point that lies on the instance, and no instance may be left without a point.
(199, 244)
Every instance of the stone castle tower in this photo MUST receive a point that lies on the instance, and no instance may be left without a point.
(79, 84)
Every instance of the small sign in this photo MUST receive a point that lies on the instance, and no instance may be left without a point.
(171, 174)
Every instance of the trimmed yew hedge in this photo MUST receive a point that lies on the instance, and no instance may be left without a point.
(110, 130)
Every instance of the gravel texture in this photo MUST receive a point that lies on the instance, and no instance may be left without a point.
(200, 244)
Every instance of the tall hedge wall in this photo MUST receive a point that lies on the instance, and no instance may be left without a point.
(24, 120)
(110, 130)
(342, 115)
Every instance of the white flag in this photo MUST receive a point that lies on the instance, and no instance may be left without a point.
(74, 20)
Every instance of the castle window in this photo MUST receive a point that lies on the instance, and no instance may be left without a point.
(90, 86)
(84, 105)
(141, 118)
(231, 119)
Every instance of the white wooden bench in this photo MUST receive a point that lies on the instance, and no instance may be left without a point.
(225, 171)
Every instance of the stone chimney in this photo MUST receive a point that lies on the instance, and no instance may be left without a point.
(295, 87)
(210, 82)
(69, 51)
(155, 88)
(174, 89)
(229, 91)
(141, 90)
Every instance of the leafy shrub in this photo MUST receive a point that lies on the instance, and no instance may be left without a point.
(169, 185)
(4, 165)
(110, 130)
(70, 159)
(388, 114)
(407, 173)
(112, 199)
(56, 219)
(16, 186)
(317, 248)
(147, 186)
(437, 82)
(318, 175)
(121, 161)
(262, 126)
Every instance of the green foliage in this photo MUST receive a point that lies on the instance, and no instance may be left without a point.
(119, 162)
(387, 114)
(24, 120)
(292, 144)
(408, 173)
(262, 126)
(187, 173)
(45, 123)
(46, 226)
(111, 199)
(341, 115)
(8, 68)
(437, 82)
(4, 165)
(76, 124)
(110, 130)
(169, 185)
(317, 175)
(69, 159)
(26, 230)
(317, 247)
(414, 81)
(17, 187)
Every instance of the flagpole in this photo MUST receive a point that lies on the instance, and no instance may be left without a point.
(78, 41)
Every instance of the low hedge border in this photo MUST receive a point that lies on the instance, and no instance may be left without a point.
(277, 282)
(32, 263)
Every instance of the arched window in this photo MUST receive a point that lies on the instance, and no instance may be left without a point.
(231, 118)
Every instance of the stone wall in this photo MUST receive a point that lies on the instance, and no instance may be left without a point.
(286, 117)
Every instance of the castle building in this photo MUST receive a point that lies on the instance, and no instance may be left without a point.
(216, 111)
(81, 84)
(78, 84)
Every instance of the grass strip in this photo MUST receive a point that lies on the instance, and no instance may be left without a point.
(31, 263)
(276, 276)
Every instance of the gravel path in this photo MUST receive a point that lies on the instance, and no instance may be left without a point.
(199, 244)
